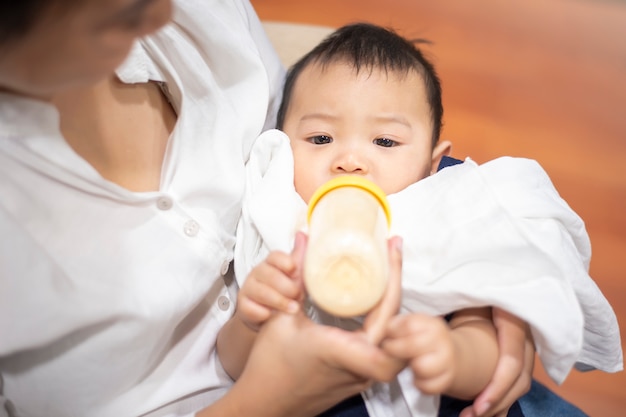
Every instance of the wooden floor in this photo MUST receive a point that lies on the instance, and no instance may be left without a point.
(539, 79)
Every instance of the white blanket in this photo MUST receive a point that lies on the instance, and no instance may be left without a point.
(496, 234)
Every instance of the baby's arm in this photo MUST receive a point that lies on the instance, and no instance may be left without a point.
(456, 358)
(270, 287)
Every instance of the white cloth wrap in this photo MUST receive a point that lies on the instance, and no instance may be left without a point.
(496, 234)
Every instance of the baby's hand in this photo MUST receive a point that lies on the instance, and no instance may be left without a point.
(425, 342)
(269, 287)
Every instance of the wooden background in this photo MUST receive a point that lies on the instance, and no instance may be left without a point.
(544, 79)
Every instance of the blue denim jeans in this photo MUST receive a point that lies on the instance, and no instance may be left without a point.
(541, 402)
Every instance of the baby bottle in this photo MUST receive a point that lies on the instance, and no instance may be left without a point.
(345, 266)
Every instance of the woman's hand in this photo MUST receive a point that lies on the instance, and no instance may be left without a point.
(514, 370)
(300, 368)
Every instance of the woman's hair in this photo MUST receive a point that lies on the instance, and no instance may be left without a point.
(17, 17)
(367, 46)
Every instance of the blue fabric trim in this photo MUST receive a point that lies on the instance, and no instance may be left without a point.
(448, 161)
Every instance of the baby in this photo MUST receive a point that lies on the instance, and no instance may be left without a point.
(366, 102)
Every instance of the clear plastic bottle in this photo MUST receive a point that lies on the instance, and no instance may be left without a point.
(346, 266)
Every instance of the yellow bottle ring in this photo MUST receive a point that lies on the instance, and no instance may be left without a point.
(350, 181)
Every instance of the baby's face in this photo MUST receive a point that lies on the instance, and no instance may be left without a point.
(374, 124)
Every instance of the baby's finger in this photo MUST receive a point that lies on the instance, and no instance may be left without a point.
(275, 299)
(273, 272)
(281, 282)
(282, 262)
(270, 290)
(407, 347)
(252, 314)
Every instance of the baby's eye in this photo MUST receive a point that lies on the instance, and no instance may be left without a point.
(386, 143)
(320, 139)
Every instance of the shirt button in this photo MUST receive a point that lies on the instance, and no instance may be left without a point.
(223, 302)
(191, 228)
(225, 267)
(164, 203)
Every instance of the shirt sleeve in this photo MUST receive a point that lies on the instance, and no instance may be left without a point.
(271, 60)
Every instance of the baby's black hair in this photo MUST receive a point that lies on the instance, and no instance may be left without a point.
(368, 46)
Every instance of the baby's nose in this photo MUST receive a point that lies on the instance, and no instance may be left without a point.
(351, 163)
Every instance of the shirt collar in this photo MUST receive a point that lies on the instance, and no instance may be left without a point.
(24, 116)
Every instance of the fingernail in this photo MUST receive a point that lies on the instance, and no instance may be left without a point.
(397, 243)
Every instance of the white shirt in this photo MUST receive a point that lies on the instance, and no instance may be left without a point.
(496, 234)
(111, 300)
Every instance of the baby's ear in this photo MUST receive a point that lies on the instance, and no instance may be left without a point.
(442, 149)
